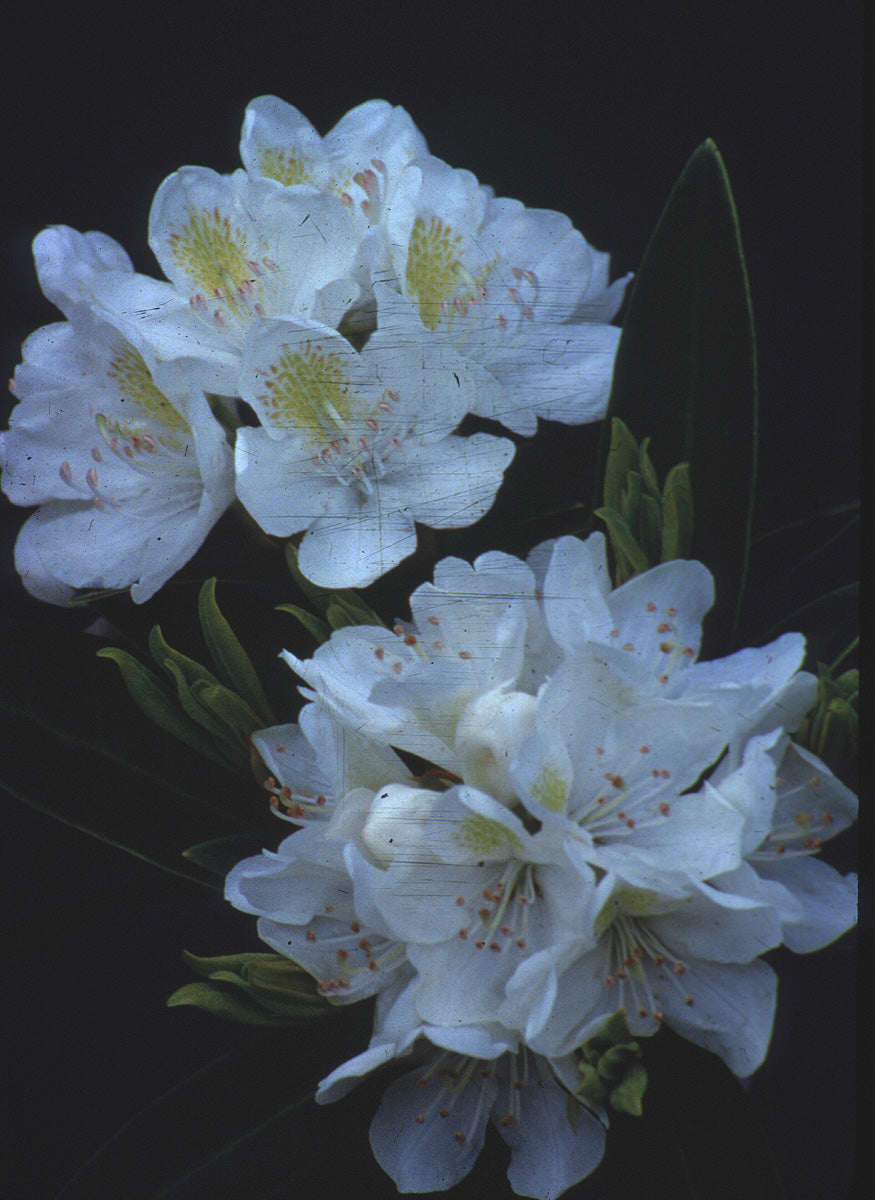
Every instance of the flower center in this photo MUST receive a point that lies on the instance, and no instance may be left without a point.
(351, 437)
(285, 166)
(436, 275)
(229, 281)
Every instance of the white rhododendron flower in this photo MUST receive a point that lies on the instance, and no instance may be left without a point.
(566, 850)
(130, 477)
(516, 290)
(358, 161)
(355, 447)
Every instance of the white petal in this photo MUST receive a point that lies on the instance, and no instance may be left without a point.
(277, 483)
(428, 1156)
(355, 545)
(827, 901)
(560, 372)
(69, 263)
(549, 1154)
(575, 592)
(449, 484)
(732, 1011)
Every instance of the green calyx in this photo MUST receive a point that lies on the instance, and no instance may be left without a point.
(611, 1071)
(645, 525)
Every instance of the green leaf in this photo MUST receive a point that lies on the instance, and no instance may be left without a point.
(623, 542)
(222, 742)
(232, 661)
(685, 374)
(150, 696)
(176, 664)
(271, 982)
(628, 1094)
(622, 458)
(650, 527)
(229, 709)
(318, 629)
(84, 755)
(352, 605)
(227, 1003)
(677, 514)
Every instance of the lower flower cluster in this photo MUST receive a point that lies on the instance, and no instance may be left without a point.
(527, 810)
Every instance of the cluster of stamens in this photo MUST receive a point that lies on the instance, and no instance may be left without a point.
(362, 459)
(632, 944)
(500, 915)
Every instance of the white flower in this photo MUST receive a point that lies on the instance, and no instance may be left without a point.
(557, 856)
(584, 710)
(431, 1123)
(516, 290)
(358, 161)
(355, 447)
(792, 804)
(130, 476)
(235, 249)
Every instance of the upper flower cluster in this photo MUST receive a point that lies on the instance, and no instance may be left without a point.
(360, 296)
(592, 821)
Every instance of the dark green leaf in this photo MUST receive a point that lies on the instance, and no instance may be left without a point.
(152, 698)
(677, 514)
(85, 755)
(232, 661)
(685, 373)
(317, 628)
(175, 663)
(224, 1133)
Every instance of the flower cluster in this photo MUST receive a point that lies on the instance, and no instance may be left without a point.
(530, 808)
(359, 296)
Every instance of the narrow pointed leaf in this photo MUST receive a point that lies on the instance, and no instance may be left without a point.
(650, 527)
(647, 470)
(226, 1002)
(338, 616)
(164, 655)
(84, 755)
(225, 1132)
(317, 628)
(356, 609)
(623, 541)
(677, 514)
(221, 740)
(232, 661)
(685, 373)
(150, 696)
(622, 457)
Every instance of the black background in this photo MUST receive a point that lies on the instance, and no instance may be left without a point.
(591, 110)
